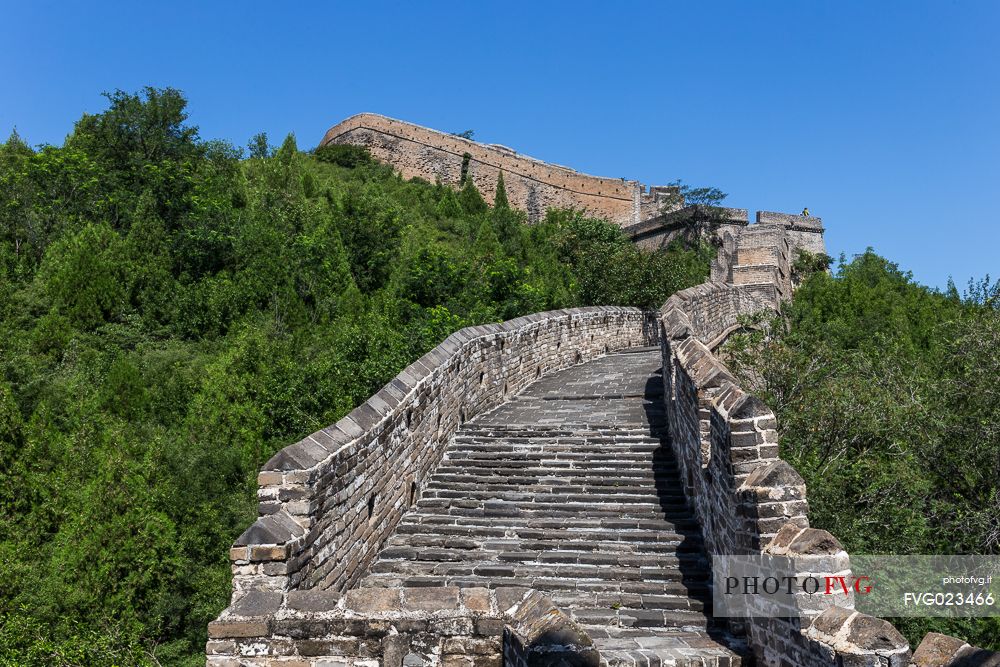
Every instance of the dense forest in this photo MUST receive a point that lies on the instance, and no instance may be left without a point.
(175, 310)
(888, 404)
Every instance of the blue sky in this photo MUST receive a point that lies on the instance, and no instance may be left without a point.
(882, 117)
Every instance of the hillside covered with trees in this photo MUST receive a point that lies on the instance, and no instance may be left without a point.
(174, 310)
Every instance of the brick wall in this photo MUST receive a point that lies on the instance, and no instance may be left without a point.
(532, 185)
(748, 501)
(805, 233)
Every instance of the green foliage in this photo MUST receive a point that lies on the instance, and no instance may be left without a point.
(470, 198)
(344, 155)
(171, 315)
(464, 175)
(24, 640)
(610, 269)
(888, 405)
(687, 195)
(806, 263)
(84, 275)
(500, 198)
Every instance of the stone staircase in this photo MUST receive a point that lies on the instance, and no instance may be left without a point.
(570, 489)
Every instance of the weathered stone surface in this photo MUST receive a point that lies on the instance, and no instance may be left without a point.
(313, 600)
(776, 474)
(374, 600)
(434, 598)
(832, 620)
(256, 603)
(239, 628)
(937, 650)
(277, 528)
(813, 541)
(868, 632)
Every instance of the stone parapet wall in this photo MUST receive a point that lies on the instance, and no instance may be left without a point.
(714, 309)
(747, 499)
(392, 627)
(937, 650)
(532, 185)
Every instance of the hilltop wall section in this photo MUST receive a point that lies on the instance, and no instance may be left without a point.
(532, 185)
(652, 216)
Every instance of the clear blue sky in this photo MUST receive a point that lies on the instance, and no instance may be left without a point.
(882, 117)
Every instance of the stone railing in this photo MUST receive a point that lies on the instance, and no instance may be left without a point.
(747, 500)
(396, 627)
(328, 502)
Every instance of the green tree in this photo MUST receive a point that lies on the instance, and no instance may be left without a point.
(500, 199)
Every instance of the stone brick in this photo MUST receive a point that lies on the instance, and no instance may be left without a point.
(313, 599)
(431, 598)
(531, 185)
(373, 599)
(237, 628)
(347, 646)
(476, 599)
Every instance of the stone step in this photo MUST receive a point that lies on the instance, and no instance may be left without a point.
(676, 597)
(549, 494)
(689, 561)
(619, 455)
(539, 538)
(687, 619)
(518, 573)
(590, 432)
(550, 585)
(621, 480)
(554, 467)
(621, 434)
(500, 542)
(603, 451)
(558, 483)
(478, 443)
(557, 509)
(626, 528)
(667, 647)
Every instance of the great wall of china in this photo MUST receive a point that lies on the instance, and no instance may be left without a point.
(550, 490)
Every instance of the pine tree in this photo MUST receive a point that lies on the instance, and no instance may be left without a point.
(472, 201)
(500, 199)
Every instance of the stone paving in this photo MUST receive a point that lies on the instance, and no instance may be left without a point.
(569, 489)
(619, 389)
